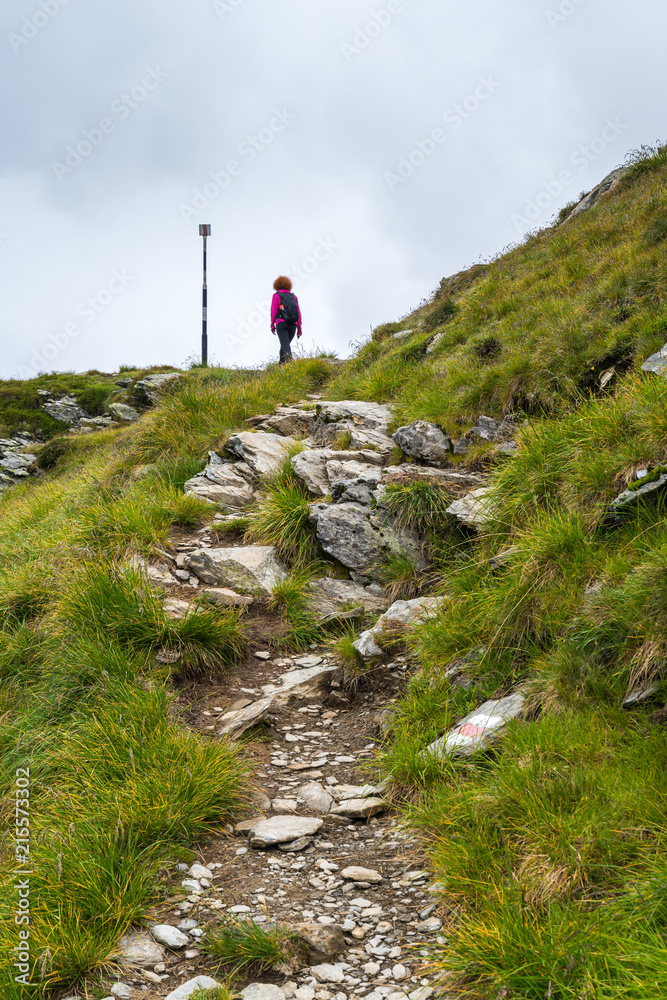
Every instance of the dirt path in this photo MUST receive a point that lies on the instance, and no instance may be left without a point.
(387, 923)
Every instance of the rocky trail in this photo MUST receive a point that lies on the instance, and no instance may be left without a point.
(320, 849)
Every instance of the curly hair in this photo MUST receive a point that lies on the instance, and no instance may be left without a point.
(282, 284)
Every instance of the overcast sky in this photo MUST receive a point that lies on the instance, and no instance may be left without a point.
(366, 149)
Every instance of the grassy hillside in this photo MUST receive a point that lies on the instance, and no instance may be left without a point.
(551, 851)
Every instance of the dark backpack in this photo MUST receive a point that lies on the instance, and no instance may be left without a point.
(288, 310)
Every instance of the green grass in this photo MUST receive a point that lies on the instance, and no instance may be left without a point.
(282, 518)
(245, 947)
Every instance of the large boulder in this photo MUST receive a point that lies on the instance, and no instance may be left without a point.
(246, 569)
(316, 467)
(290, 420)
(264, 453)
(147, 391)
(121, 411)
(65, 409)
(360, 539)
(220, 482)
(365, 424)
(480, 729)
(425, 441)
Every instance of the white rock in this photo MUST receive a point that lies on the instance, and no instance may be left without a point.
(186, 990)
(284, 805)
(236, 723)
(367, 647)
(371, 968)
(328, 973)
(360, 808)
(138, 948)
(480, 728)
(356, 874)
(200, 871)
(122, 992)
(400, 972)
(191, 884)
(282, 829)
(305, 993)
(314, 797)
(246, 569)
(170, 936)
(220, 483)
(264, 453)
(304, 683)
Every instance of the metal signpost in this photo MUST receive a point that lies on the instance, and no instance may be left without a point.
(204, 231)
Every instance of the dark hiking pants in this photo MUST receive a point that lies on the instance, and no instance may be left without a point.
(285, 333)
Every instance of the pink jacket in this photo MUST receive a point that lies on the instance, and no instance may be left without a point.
(275, 306)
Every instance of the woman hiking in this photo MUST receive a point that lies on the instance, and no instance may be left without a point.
(285, 316)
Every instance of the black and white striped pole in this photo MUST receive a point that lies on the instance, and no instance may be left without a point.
(204, 231)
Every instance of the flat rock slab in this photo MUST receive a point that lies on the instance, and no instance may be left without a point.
(138, 948)
(185, 991)
(480, 729)
(221, 483)
(282, 829)
(236, 723)
(360, 808)
(264, 453)
(466, 480)
(304, 683)
(356, 874)
(245, 569)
